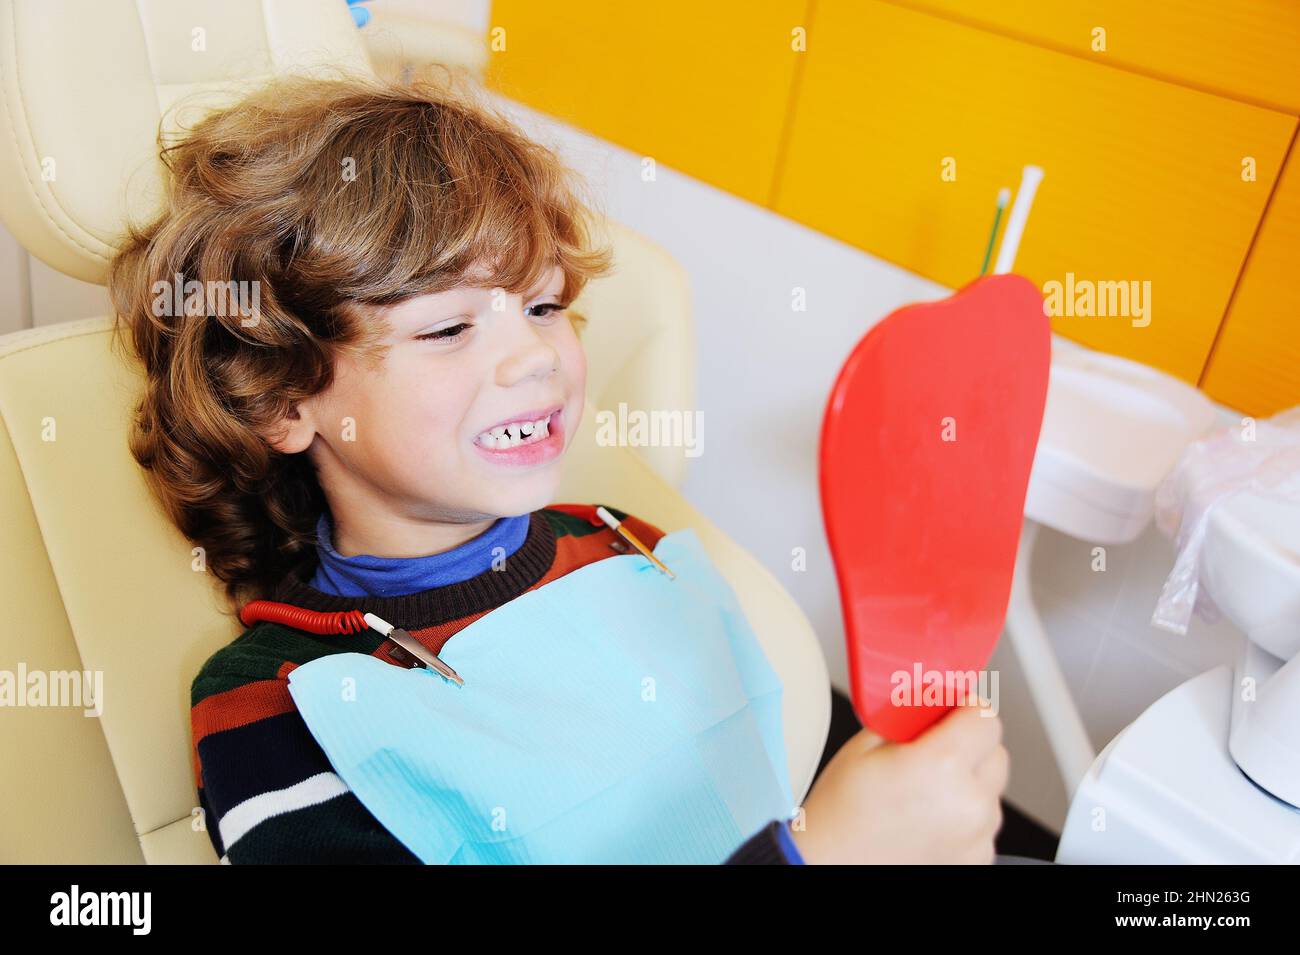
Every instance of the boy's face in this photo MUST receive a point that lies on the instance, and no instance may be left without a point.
(402, 439)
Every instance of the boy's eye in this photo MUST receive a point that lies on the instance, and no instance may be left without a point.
(445, 334)
(553, 306)
(452, 332)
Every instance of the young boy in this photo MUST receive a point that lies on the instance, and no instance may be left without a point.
(385, 430)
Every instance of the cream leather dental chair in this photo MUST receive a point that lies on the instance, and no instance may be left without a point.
(92, 576)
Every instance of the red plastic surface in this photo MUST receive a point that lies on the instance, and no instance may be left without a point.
(926, 448)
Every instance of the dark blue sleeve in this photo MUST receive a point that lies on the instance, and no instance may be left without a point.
(788, 845)
(771, 845)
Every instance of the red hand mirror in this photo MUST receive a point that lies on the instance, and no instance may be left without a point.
(926, 448)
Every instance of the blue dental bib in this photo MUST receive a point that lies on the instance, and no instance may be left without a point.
(613, 715)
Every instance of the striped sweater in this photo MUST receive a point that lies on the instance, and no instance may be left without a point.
(268, 792)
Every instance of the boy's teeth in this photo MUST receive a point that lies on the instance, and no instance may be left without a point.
(515, 434)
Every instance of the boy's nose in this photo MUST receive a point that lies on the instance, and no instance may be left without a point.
(529, 353)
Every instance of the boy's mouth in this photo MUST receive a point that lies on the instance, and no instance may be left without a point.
(527, 441)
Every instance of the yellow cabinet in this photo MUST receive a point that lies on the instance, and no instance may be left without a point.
(895, 129)
(906, 125)
(1255, 365)
(1246, 50)
(701, 87)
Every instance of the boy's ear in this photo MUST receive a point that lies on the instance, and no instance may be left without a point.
(293, 433)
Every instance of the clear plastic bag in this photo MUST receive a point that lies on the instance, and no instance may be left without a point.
(1211, 470)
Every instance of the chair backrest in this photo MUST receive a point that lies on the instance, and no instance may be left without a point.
(86, 85)
(92, 575)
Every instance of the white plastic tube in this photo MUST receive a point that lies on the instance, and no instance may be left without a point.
(1030, 177)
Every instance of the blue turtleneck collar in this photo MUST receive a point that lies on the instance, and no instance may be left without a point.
(365, 575)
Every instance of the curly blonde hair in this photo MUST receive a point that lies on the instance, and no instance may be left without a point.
(331, 198)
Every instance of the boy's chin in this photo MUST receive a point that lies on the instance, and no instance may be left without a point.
(510, 496)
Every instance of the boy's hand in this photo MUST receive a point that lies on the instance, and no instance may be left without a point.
(931, 800)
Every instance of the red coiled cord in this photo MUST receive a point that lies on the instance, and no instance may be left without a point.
(313, 621)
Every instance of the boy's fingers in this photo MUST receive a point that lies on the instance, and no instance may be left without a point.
(994, 770)
(971, 698)
(964, 731)
(866, 739)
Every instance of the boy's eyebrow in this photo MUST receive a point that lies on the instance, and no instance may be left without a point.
(548, 277)
(543, 286)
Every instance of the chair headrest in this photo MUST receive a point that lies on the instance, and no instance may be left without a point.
(86, 87)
